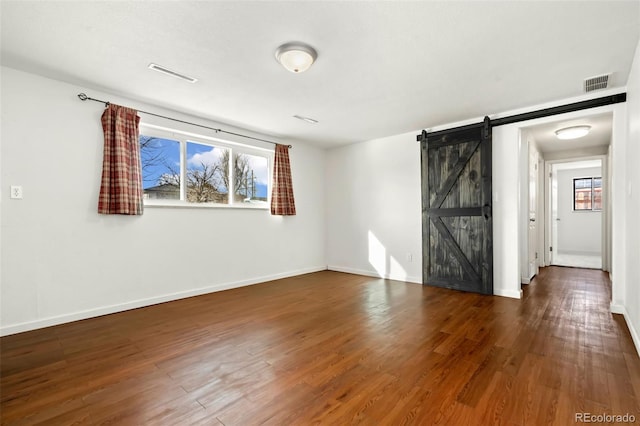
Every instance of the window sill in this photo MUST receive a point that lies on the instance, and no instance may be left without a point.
(181, 205)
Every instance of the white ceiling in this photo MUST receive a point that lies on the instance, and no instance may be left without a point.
(383, 68)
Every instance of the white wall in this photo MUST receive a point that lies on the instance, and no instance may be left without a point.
(374, 214)
(631, 189)
(507, 145)
(619, 259)
(579, 232)
(62, 261)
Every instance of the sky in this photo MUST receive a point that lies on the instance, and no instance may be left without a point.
(197, 154)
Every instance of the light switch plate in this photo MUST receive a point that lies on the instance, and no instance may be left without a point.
(16, 192)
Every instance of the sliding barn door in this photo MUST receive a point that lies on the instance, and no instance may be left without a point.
(456, 208)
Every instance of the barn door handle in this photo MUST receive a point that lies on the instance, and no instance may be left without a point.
(486, 211)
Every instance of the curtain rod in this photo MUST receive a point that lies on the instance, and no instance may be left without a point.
(84, 97)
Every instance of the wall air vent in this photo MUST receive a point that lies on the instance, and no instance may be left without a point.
(167, 71)
(596, 83)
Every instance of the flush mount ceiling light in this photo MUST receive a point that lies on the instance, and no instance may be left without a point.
(167, 71)
(296, 57)
(574, 132)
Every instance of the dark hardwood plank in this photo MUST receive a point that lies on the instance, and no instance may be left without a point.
(333, 348)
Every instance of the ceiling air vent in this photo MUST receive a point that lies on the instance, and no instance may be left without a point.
(167, 71)
(596, 83)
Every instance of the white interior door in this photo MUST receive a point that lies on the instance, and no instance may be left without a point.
(533, 200)
(554, 215)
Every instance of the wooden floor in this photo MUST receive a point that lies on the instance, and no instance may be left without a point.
(336, 349)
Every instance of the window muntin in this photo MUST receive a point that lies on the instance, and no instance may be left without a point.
(587, 194)
(597, 193)
(180, 170)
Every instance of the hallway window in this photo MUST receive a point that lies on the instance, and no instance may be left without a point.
(587, 194)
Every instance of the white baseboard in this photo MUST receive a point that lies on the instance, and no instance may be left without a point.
(580, 252)
(514, 294)
(620, 309)
(105, 310)
(617, 309)
(369, 273)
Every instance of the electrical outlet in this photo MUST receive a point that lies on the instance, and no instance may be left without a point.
(16, 192)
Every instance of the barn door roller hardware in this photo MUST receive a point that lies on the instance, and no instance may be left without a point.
(486, 128)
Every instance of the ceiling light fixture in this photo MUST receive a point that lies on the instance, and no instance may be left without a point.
(574, 132)
(307, 119)
(295, 56)
(167, 71)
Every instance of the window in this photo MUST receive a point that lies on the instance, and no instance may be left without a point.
(587, 194)
(160, 160)
(183, 170)
(207, 174)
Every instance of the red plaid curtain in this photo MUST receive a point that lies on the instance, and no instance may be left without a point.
(282, 202)
(121, 188)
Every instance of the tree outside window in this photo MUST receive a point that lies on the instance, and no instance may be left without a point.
(195, 172)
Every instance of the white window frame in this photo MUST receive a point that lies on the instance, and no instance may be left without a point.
(183, 137)
(573, 202)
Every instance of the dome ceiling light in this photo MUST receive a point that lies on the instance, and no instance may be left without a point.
(296, 57)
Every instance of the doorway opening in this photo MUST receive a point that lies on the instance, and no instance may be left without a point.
(576, 214)
(564, 202)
